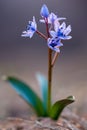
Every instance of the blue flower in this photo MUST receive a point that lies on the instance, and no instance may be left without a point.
(61, 31)
(44, 11)
(51, 18)
(54, 44)
(31, 29)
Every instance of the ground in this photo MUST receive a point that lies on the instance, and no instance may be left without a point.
(67, 121)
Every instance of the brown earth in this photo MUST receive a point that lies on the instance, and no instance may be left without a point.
(67, 121)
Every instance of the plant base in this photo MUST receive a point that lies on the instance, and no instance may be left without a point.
(68, 121)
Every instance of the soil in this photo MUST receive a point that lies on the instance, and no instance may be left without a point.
(67, 121)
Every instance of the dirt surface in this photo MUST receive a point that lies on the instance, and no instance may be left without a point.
(68, 121)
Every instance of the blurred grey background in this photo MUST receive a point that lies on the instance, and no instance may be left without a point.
(24, 57)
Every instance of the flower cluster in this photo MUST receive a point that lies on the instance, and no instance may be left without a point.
(57, 31)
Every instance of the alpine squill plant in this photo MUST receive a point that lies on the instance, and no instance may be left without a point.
(57, 31)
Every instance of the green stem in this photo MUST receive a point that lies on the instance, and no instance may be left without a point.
(49, 77)
(49, 70)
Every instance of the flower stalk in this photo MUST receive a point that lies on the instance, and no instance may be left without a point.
(41, 34)
(49, 70)
(49, 77)
(54, 58)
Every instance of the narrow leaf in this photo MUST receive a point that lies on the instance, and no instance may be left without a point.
(27, 94)
(59, 106)
(43, 83)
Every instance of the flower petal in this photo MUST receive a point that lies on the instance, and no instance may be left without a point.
(42, 20)
(24, 31)
(61, 18)
(68, 37)
(65, 37)
(56, 25)
(34, 25)
(27, 34)
(44, 11)
(52, 17)
(62, 27)
(68, 30)
(31, 34)
(60, 44)
(34, 19)
(53, 33)
(56, 48)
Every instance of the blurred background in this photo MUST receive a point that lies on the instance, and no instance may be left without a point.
(24, 57)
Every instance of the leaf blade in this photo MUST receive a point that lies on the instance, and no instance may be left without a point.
(43, 84)
(27, 94)
(59, 106)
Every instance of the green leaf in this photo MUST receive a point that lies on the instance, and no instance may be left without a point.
(43, 83)
(59, 106)
(27, 94)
